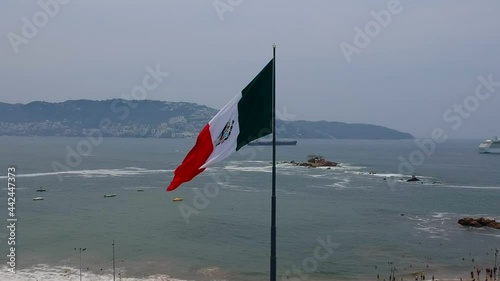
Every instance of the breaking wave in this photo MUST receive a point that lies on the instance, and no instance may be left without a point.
(435, 225)
(65, 273)
(129, 171)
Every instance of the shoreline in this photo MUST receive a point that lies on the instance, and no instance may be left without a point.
(47, 272)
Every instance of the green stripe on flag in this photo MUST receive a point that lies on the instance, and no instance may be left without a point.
(255, 107)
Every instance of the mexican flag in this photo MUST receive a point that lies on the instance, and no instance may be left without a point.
(245, 118)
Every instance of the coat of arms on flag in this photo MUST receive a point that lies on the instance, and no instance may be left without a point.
(226, 132)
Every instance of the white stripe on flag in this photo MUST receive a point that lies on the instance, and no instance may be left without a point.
(224, 144)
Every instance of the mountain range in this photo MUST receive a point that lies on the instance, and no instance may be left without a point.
(148, 118)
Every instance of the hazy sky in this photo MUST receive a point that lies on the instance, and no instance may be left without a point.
(416, 65)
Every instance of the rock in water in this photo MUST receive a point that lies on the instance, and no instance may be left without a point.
(413, 178)
(317, 161)
(480, 222)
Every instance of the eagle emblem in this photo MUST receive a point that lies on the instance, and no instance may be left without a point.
(226, 132)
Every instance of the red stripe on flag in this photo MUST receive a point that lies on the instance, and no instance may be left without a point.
(198, 155)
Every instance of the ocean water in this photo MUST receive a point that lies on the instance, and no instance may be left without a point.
(371, 219)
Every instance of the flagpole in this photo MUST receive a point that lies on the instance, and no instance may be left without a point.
(113, 259)
(273, 197)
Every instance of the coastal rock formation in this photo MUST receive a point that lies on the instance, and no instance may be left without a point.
(314, 161)
(413, 178)
(480, 222)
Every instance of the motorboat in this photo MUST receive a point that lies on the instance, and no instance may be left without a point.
(109, 195)
(37, 198)
(177, 199)
(41, 189)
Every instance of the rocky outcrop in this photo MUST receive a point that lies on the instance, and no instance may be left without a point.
(480, 222)
(413, 178)
(314, 161)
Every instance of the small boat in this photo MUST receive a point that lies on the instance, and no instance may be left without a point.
(41, 189)
(109, 195)
(490, 146)
(177, 199)
(37, 198)
(140, 190)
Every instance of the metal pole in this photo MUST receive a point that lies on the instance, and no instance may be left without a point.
(495, 268)
(80, 264)
(113, 259)
(273, 197)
